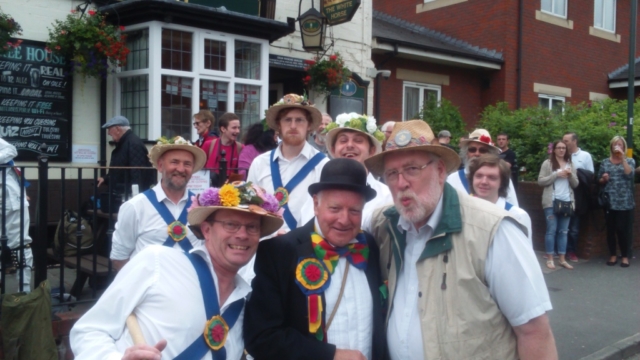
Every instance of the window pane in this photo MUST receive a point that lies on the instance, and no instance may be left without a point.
(247, 105)
(430, 95)
(546, 5)
(215, 55)
(609, 14)
(214, 96)
(134, 104)
(138, 43)
(176, 106)
(247, 60)
(555, 103)
(411, 102)
(544, 102)
(176, 50)
(597, 14)
(560, 7)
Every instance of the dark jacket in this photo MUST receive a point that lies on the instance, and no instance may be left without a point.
(130, 151)
(276, 318)
(583, 192)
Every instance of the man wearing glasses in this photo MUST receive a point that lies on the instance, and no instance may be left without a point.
(463, 279)
(478, 143)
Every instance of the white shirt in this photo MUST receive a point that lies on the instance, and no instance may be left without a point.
(352, 325)
(260, 174)
(561, 188)
(161, 287)
(512, 273)
(519, 214)
(383, 197)
(7, 153)
(140, 225)
(454, 180)
(582, 160)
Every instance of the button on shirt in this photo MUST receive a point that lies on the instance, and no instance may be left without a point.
(260, 174)
(140, 225)
(161, 287)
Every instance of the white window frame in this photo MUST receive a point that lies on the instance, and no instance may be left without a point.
(604, 8)
(422, 87)
(553, 2)
(198, 72)
(551, 98)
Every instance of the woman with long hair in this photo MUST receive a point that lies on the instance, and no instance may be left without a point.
(615, 175)
(559, 177)
(257, 140)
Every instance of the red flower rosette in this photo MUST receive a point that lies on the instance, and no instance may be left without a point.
(177, 231)
(312, 276)
(215, 332)
(486, 139)
(282, 195)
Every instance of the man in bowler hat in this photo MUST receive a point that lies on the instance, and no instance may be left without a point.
(318, 293)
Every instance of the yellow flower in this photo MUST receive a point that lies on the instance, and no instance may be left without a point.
(229, 195)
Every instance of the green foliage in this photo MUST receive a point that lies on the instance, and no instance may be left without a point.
(444, 116)
(8, 28)
(325, 75)
(532, 129)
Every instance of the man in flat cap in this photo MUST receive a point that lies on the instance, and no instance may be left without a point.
(317, 293)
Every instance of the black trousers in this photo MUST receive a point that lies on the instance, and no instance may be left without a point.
(619, 225)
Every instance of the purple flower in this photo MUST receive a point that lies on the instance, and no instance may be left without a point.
(614, 115)
(611, 124)
(270, 203)
(210, 197)
(550, 148)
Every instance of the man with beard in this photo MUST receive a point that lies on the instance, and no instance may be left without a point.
(289, 169)
(318, 138)
(463, 279)
(159, 215)
(478, 143)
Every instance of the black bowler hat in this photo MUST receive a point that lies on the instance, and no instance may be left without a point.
(344, 174)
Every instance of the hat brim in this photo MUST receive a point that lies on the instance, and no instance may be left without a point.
(467, 141)
(365, 191)
(333, 134)
(375, 163)
(200, 158)
(268, 223)
(272, 114)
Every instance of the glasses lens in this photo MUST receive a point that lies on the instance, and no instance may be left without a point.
(252, 229)
(472, 150)
(230, 226)
(196, 123)
(483, 150)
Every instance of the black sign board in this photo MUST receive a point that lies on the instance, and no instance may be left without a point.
(35, 102)
(286, 62)
(339, 11)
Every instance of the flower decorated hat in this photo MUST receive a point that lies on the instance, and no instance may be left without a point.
(354, 122)
(413, 135)
(177, 143)
(239, 196)
(296, 102)
(481, 136)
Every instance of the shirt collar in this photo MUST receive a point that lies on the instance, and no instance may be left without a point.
(434, 220)
(242, 288)
(161, 196)
(307, 152)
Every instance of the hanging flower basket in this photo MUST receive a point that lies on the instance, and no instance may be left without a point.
(8, 29)
(326, 75)
(93, 46)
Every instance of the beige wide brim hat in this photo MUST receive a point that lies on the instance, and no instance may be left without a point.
(413, 135)
(268, 223)
(481, 136)
(293, 101)
(332, 135)
(200, 158)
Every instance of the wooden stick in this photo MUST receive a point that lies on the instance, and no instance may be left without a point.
(134, 330)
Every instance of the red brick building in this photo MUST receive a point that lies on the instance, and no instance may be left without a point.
(478, 52)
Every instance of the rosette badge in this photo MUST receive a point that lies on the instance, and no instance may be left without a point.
(239, 196)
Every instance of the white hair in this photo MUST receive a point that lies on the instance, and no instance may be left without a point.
(388, 124)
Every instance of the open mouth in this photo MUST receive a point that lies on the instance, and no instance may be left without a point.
(350, 155)
(238, 247)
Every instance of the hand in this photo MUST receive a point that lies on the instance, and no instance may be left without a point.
(145, 352)
(281, 232)
(604, 178)
(564, 174)
(100, 181)
(348, 355)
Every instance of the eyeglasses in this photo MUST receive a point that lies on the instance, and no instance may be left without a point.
(481, 150)
(409, 173)
(561, 148)
(197, 123)
(233, 227)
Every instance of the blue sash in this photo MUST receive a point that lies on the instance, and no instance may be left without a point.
(463, 180)
(277, 182)
(507, 206)
(166, 215)
(23, 181)
(199, 347)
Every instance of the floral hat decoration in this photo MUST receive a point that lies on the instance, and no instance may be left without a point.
(240, 196)
(297, 102)
(481, 136)
(355, 122)
(177, 143)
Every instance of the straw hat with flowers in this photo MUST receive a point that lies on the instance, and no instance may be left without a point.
(177, 143)
(354, 122)
(413, 135)
(238, 196)
(293, 101)
(481, 136)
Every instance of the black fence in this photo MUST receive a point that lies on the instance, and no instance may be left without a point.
(71, 226)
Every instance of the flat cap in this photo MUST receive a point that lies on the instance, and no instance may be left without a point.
(116, 121)
(444, 133)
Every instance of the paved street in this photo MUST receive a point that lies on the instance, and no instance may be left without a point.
(594, 306)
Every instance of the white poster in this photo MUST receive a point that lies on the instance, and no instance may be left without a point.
(199, 182)
(84, 154)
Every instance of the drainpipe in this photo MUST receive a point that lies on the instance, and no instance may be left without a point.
(519, 66)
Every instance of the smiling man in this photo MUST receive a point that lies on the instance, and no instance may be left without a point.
(159, 215)
(229, 124)
(176, 296)
(316, 294)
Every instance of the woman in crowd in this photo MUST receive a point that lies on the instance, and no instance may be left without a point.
(559, 177)
(203, 122)
(489, 178)
(256, 141)
(615, 175)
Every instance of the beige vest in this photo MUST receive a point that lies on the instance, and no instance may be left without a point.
(458, 317)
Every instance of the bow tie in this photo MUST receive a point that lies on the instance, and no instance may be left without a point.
(356, 253)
